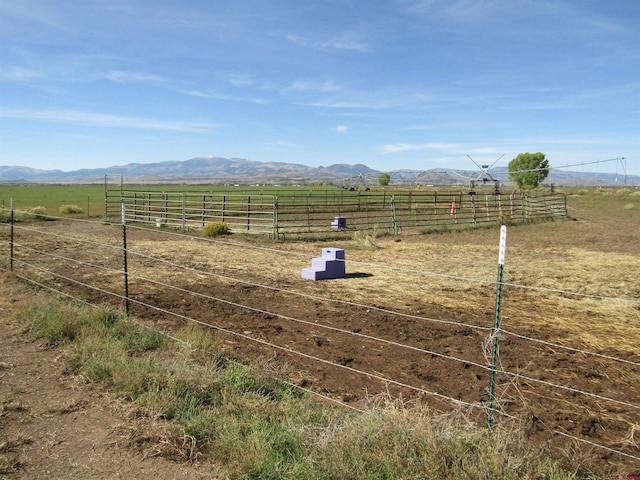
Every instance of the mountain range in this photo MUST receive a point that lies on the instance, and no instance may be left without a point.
(220, 170)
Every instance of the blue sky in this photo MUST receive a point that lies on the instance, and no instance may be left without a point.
(393, 84)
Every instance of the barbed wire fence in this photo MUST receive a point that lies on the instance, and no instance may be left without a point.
(50, 262)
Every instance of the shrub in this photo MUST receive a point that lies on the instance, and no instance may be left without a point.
(213, 229)
(38, 212)
(66, 209)
(366, 239)
(5, 216)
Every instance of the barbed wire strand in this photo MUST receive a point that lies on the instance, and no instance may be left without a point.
(417, 271)
(254, 284)
(376, 339)
(571, 349)
(381, 266)
(179, 340)
(386, 380)
(597, 445)
(269, 344)
(309, 391)
(519, 376)
(80, 299)
(274, 314)
(485, 367)
(316, 297)
(556, 345)
(311, 296)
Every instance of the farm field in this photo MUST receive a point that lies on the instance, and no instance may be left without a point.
(91, 198)
(413, 316)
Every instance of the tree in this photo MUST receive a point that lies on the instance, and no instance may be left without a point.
(384, 179)
(527, 170)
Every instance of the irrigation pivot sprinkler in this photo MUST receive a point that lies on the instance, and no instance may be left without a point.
(484, 177)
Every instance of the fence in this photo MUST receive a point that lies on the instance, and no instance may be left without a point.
(248, 213)
(315, 212)
(363, 344)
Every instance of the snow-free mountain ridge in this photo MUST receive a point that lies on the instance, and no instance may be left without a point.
(220, 170)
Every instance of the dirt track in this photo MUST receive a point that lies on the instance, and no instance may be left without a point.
(54, 426)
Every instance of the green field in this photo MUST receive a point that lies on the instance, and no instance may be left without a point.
(91, 198)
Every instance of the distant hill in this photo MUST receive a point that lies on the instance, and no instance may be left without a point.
(220, 170)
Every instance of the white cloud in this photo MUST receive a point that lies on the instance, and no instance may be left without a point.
(406, 147)
(220, 96)
(456, 9)
(132, 77)
(345, 104)
(108, 121)
(18, 74)
(297, 39)
(240, 79)
(341, 44)
(341, 129)
(280, 143)
(334, 43)
(308, 85)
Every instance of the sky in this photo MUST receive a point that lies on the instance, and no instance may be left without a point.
(392, 84)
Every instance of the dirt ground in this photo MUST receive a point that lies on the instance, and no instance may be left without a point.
(387, 327)
(56, 427)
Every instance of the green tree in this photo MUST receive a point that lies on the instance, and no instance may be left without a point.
(527, 170)
(384, 179)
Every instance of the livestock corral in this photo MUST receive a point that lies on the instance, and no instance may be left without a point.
(311, 212)
(414, 316)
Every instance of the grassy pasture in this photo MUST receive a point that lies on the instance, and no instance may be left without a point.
(91, 198)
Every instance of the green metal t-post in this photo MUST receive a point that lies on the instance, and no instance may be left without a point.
(12, 219)
(124, 249)
(496, 324)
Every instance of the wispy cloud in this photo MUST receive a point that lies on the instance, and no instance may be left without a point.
(342, 44)
(18, 74)
(460, 10)
(354, 105)
(20, 15)
(334, 43)
(107, 121)
(280, 143)
(308, 85)
(220, 96)
(119, 76)
(405, 147)
(241, 79)
(341, 128)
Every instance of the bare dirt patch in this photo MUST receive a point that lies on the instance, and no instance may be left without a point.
(53, 426)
